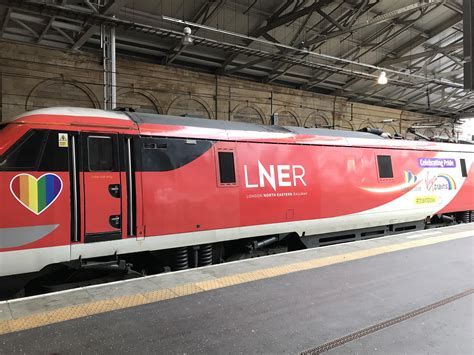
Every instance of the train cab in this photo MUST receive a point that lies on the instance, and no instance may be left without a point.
(61, 184)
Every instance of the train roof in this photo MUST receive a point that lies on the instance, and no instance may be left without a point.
(167, 120)
(74, 112)
(199, 128)
(147, 118)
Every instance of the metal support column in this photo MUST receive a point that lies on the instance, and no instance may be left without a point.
(114, 68)
(109, 62)
(468, 44)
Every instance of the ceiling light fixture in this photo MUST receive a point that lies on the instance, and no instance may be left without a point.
(382, 79)
(187, 40)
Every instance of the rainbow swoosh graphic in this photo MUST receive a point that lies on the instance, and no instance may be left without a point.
(410, 178)
(449, 180)
(36, 194)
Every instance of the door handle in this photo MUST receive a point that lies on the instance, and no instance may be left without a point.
(115, 221)
(114, 190)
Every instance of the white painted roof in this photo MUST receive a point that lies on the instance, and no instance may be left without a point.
(76, 111)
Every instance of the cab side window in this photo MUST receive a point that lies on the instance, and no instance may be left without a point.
(25, 154)
(37, 150)
(55, 156)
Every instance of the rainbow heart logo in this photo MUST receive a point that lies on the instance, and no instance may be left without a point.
(36, 194)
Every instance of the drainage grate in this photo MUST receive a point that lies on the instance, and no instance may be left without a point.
(361, 333)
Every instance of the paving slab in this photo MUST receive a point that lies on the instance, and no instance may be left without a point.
(181, 278)
(43, 303)
(5, 313)
(119, 289)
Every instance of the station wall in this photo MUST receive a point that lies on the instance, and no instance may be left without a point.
(33, 77)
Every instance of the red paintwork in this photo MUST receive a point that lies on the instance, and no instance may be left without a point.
(190, 199)
(99, 204)
(13, 214)
(10, 134)
(464, 199)
(178, 201)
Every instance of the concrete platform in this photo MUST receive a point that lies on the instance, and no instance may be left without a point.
(412, 293)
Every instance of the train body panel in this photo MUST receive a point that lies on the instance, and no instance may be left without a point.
(104, 183)
(295, 186)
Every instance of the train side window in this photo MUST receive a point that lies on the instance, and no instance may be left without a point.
(226, 167)
(384, 163)
(463, 168)
(24, 154)
(167, 154)
(100, 153)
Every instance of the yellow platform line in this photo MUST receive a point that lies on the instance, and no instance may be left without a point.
(123, 302)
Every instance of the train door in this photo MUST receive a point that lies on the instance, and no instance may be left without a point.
(102, 187)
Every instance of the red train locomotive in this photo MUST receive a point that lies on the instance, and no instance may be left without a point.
(79, 185)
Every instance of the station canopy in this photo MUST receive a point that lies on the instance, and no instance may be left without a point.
(331, 47)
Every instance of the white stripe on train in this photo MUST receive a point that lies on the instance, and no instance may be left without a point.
(23, 261)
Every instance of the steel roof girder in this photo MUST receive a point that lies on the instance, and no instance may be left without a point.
(5, 21)
(424, 54)
(29, 39)
(376, 20)
(42, 21)
(26, 27)
(45, 29)
(277, 72)
(387, 37)
(415, 42)
(111, 8)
